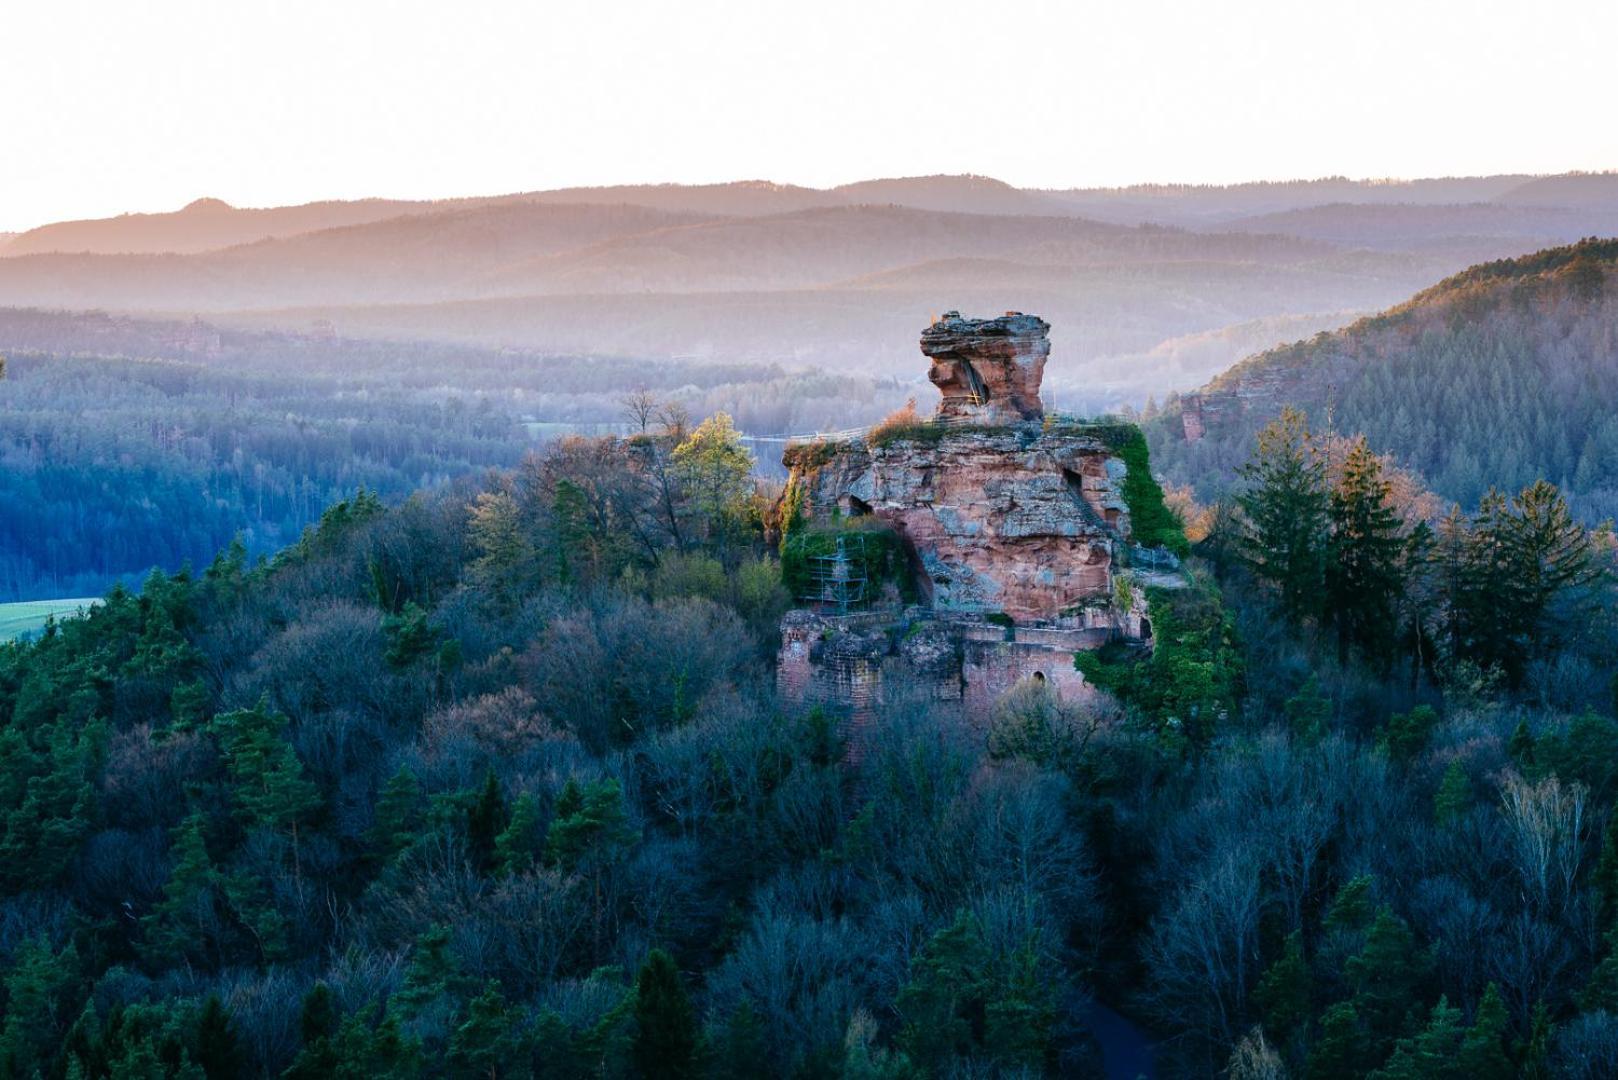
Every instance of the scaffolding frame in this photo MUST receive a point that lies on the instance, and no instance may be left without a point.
(837, 582)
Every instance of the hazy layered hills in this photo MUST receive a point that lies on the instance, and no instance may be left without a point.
(842, 277)
(1500, 375)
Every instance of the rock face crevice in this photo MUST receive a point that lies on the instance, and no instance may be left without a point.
(988, 370)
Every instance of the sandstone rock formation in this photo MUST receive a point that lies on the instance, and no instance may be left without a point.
(1013, 524)
(988, 370)
(1015, 521)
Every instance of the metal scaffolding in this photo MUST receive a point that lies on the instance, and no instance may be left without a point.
(838, 581)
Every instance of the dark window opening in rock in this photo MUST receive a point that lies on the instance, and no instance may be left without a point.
(858, 507)
(1146, 628)
(1112, 515)
(1039, 676)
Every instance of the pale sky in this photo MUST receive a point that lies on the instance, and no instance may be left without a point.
(123, 105)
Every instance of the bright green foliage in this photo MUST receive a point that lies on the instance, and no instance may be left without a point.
(964, 1001)
(715, 469)
(38, 1005)
(519, 844)
(874, 552)
(1406, 736)
(398, 815)
(1285, 507)
(506, 558)
(410, 636)
(268, 784)
(665, 1023)
(590, 825)
(1191, 676)
(1364, 575)
(1454, 797)
(1151, 522)
(1286, 990)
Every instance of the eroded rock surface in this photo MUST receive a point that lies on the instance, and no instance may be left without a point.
(1021, 521)
(988, 370)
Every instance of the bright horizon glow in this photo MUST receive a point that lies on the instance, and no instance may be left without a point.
(108, 108)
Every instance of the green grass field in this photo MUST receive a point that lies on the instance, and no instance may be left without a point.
(29, 615)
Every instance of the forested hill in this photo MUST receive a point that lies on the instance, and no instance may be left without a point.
(1498, 376)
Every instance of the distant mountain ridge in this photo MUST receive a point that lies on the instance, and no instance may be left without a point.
(838, 277)
(1502, 374)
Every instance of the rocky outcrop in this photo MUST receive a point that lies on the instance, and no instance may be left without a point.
(1022, 521)
(988, 370)
(1013, 524)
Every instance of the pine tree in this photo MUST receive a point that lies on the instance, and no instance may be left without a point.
(433, 972)
(1431, 1055)
(486, 819)
(398, 815)
(268, 783)
(1385, 975)
(1285, 506)
(177, 926)
(1483, 1052)
(1454, 797)
(1284, 992)
(485, 1044)
(410, 636)
(1339, 1052)
(217, 1052)
(37, 1006)
(1363, 570)
(666, 1025)
(518, 846)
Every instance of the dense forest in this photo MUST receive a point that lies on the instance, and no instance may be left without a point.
(1496, 377)
(494, 783)
(111, 466)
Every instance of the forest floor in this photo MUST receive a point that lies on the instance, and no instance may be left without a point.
(27, 616)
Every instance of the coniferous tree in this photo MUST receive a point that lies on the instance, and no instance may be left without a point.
(1285, 990)
(1483, 1051)
(518, 846)
(217, 1051)
(1364, 573)
(398, 815)
(1285, 506)
(665, 1024)
(1454, 797)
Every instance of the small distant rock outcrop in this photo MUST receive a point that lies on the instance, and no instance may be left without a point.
(1013, 528)
(988, 370)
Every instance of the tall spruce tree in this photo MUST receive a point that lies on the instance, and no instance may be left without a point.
(665, 1023)
(1363, 571)
(1285, 505)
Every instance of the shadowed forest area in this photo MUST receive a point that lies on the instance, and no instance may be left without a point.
(494, 782)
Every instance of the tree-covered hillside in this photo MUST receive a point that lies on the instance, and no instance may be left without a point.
(495, 783)
(1502, 375)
